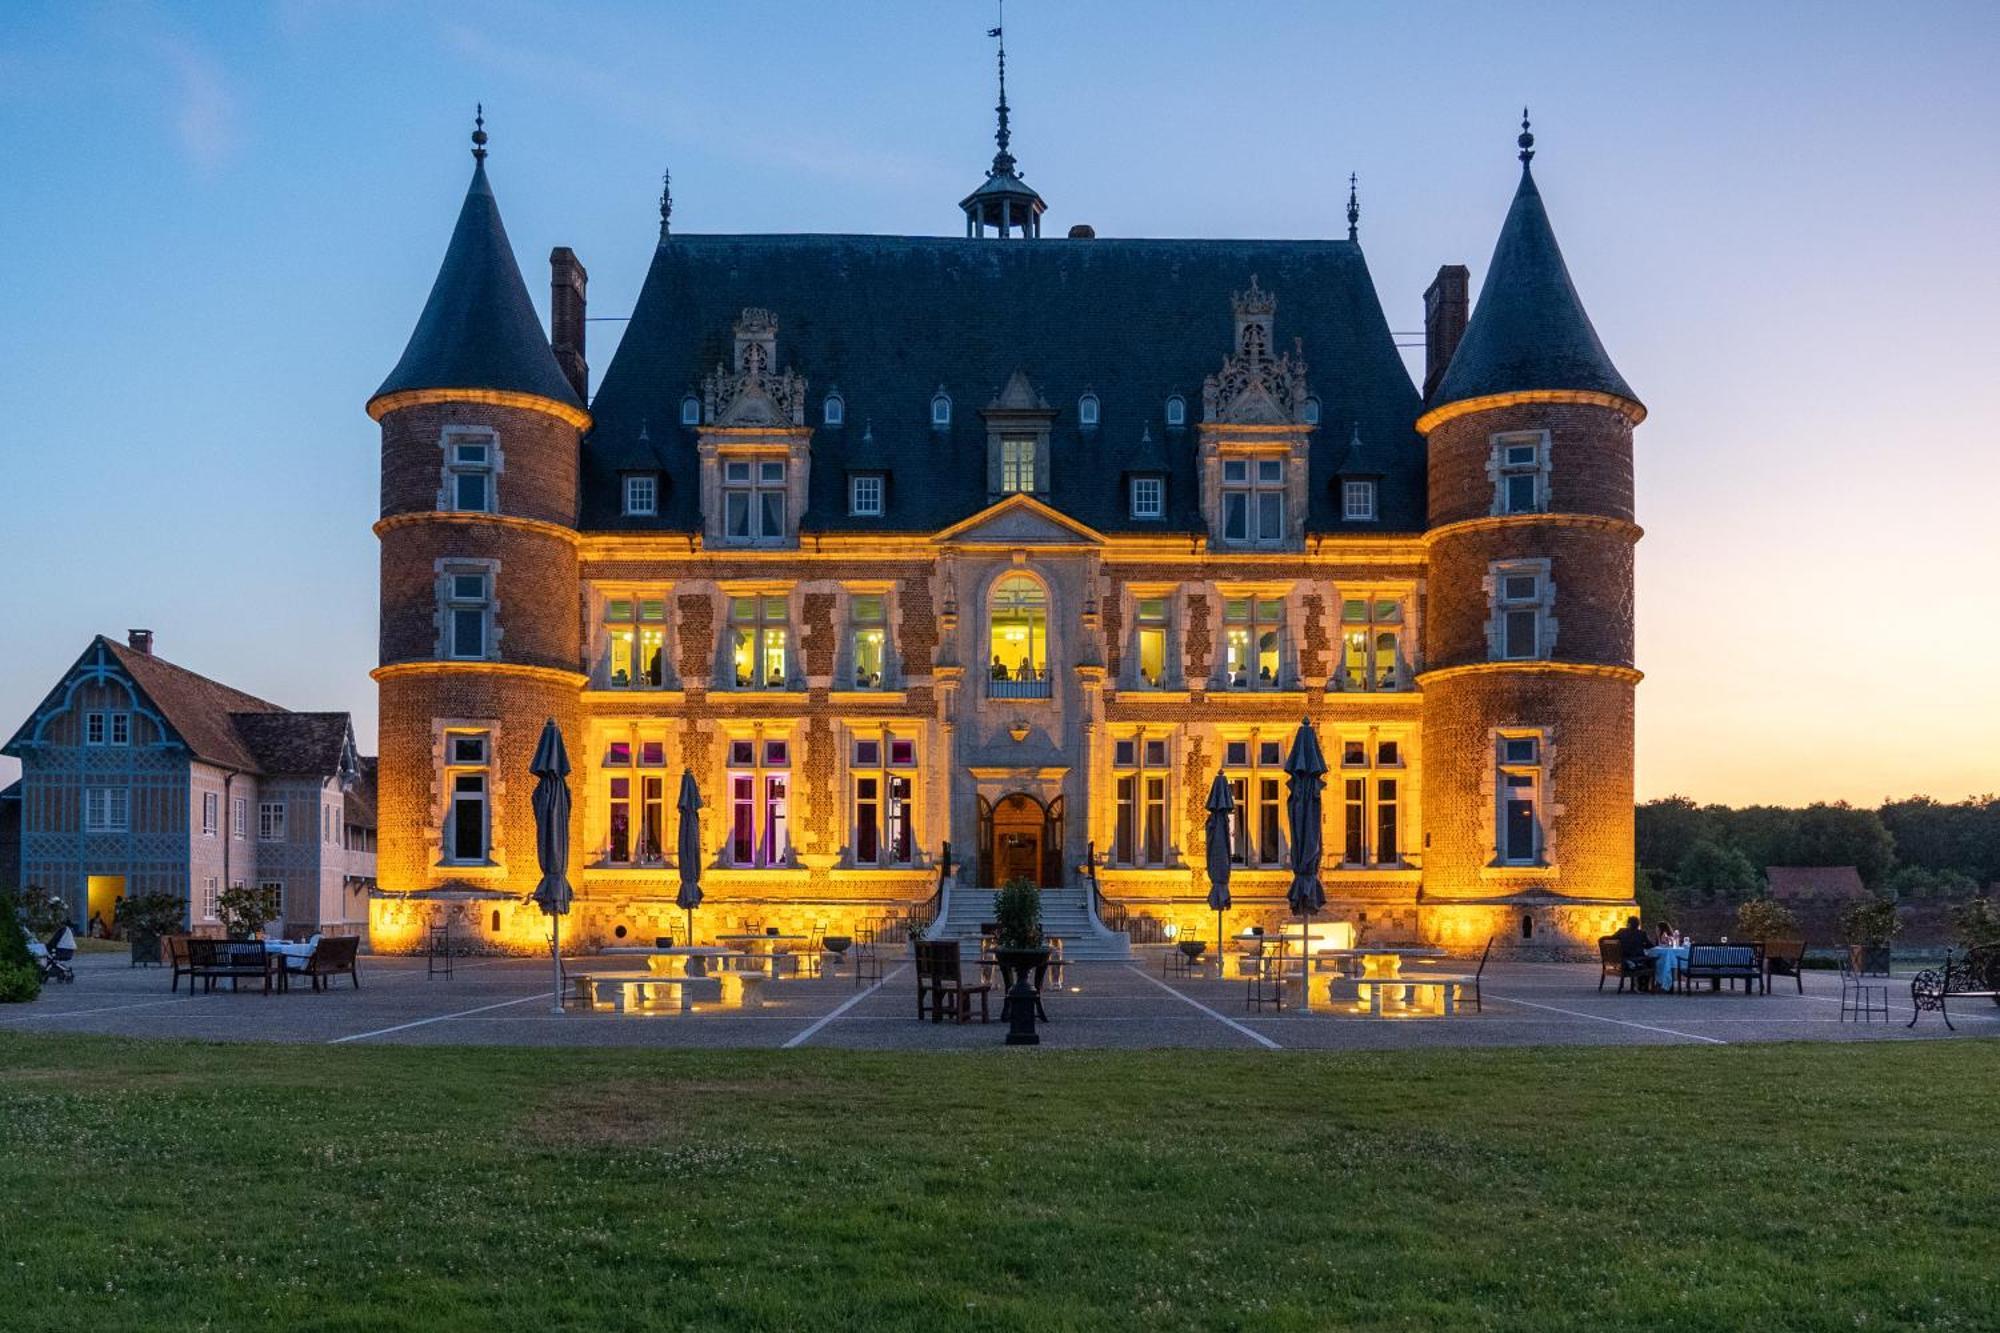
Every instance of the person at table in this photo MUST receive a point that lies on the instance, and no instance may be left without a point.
(1665, 935)
(1632, 945)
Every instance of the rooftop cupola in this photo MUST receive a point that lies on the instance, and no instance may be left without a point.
(1004, 202)
(1529, 338)
(478, 332)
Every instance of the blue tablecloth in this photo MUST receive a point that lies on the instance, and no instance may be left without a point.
(1667, 964)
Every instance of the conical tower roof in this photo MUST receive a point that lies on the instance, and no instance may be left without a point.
(1529, 331)
(479, 329)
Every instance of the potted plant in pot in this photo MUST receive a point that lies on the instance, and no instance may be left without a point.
(1017, 932)
(242, 911)
(144, 919)
(1871, 926)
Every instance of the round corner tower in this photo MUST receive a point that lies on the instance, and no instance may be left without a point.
(479, 604)
(1529, 687)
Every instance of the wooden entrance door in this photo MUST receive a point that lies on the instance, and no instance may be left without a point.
(1019, 826)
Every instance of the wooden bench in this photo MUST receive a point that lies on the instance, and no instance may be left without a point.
(210, 961)
(175, 947)
(1717, 963)
(332, 956)
(1972, 975)
(1785, 958)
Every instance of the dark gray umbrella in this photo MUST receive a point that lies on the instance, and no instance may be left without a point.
(551, 800)
(1221, 804)
(687, 848)
(1305, 768)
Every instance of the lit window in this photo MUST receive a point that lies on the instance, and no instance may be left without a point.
(642, 495)
(1520, 602)
(941, 410)
(1518, 834)
(466, 823)
(1371, 644)
(833, 412)
(864, 495)
(690, 411)
(871, 639)
(469, 466)
(468, 609)
(107, 809)
(884, 781)
(760, 784)
(1151, 615)
(760, 635)
(1018, 638)
(635, 630)
(642, 842)
(1139, 833)
(1253, 500)
(270, 821)
(1017, 466)
(1370, 804)
(1086, 410)
(1253, 628)
(1255, 772)
(1149, 497)
(1521, 468)
(753, 500)
(1357, 501)
(1177, 411)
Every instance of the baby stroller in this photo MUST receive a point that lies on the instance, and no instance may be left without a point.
(54, 957)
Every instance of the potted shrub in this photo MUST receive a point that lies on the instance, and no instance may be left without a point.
(242, 911)
(1017, 933)
(1871, 925)
(1766, 919)
(144, 919)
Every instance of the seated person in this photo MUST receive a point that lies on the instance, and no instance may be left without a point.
(1632, 945)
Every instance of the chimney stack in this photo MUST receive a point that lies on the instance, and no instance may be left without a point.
(140, 641)
(566, 305)
(1447, 306)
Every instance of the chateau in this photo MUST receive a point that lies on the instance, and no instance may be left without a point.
(1007, 543)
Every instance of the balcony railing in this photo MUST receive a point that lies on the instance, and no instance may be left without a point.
(1035, 687)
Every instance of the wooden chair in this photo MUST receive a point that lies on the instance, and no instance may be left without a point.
(1785, 958)
(176, 949)
(210, 961)
(332, 956)
(942, 982)
(1612, 963)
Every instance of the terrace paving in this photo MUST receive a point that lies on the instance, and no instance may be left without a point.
(504, 1001)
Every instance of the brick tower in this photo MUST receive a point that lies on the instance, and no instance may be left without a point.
(1528, 695)
(480, 622)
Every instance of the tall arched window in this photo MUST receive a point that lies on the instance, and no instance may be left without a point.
(1018, 624)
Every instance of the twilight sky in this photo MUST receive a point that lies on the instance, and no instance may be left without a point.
(221, 222)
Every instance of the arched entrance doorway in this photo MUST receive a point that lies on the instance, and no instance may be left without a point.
(1019, 836)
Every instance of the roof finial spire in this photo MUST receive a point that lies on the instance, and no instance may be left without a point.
(1002, 160)
(1353, 209)
(479, 132)
(666, 202)
(1527, 140)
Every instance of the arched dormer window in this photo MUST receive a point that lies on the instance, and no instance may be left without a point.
(690, 411)
(1176, 410)
(1017, 618)
(940, 410)
(1086, 410)
(833, 412)
(1312, 411)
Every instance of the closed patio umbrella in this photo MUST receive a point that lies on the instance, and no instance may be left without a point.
(551, 801)
(1305, 769)
(1221, 804)
(687, 848)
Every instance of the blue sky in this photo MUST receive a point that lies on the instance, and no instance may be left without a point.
(221, 221)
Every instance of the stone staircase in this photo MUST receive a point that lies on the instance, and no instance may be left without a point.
(1065, 915)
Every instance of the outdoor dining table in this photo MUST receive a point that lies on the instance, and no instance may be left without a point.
(1668, 960)
(688, 960)
(1377, 960)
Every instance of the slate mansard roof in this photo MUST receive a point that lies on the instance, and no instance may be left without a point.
(889, 320)
(479, 329)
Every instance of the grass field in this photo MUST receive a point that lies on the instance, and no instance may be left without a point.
(181, 1186)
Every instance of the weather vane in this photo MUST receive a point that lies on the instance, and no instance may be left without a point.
(1527, 139)
(479, 131)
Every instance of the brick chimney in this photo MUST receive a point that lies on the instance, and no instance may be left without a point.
(1447, 306)
(566, 305)
(140, 641)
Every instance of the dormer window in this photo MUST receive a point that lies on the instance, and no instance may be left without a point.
(1253, 500)
(940, 410)
(642, 496)
(1177, 411)
(833, 412)
(690, 411)
(1086, 410)
(864, 495)
(1149, 497)
(1357, 501)
(753, 500)
(1017, 466)
(1312, 411)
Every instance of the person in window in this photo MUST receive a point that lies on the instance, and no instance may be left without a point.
(1264, 674)
(999, 668)
(1632, 945)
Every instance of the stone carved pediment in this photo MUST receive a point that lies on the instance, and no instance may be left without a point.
(1019, 395)
(1255, 388)
(754, 393)
(1020, 521)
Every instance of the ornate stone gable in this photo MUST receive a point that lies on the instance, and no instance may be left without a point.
(754, 393)
(1254, 388)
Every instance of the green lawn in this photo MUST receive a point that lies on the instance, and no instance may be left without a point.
(1824, 1186)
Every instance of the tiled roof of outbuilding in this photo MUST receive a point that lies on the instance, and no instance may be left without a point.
(304, 743)
(199, 709)
(888, 319)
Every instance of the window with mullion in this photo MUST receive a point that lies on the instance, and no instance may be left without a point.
(469, 473)
(753, 500)
(636, 632)
(883, 771)
(1253, 632)
(1253, 501)
(1140, 772)
(1370, 630)
(1254, 768)
(760, 641)
(760, 782)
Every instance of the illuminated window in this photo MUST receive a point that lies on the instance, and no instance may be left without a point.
(467, 827)
(1018, 635)
(760, 784)
(833, 412)
(1253, 501)
(1371, 802)
(1520, 629)
(1086, 410)
(1253, 628)
(760, 640)
(753, 500)
(1153, 621)
(1519, 839)
(107, 809)
(1177, 411)
(469, 464)
(1140, 772)
(1017, 466)
(1370, 644)
(1357, 501)
(1149, 497)
(635, 805)
(870, 611)
(1520, 467)
(468, 611)
(635, 630)
(884, 777)
(864, 495)
(690, 411)
(1254, 768)
(642, 495)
